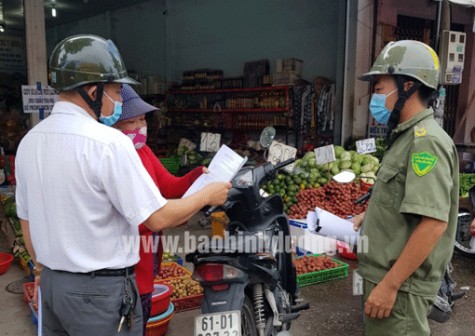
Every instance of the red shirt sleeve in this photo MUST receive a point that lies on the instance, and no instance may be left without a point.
(170, 186)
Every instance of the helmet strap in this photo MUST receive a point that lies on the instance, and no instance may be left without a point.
(403, 96)
(95, 105)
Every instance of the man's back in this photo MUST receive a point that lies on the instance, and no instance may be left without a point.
(68, 166)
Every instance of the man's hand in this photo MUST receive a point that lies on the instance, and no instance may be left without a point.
(217, 192)
(357, 221)
(380, 301)
(37, 285)
(472, 228)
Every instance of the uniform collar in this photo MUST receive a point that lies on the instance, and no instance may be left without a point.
(64, 107)
(401, 128)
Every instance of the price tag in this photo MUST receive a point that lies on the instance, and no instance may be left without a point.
(325, 154)
(184, 142)
(357, 283)
(279, 152)
(366, 146)
(210, 142)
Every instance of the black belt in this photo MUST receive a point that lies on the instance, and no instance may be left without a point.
(113, 272)
(105, 272)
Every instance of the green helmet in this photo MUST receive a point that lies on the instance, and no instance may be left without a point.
(84, 59)
(410, 58)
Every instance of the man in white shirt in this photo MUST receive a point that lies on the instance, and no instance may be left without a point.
(81, 193)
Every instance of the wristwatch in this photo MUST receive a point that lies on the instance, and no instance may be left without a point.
(36, 271)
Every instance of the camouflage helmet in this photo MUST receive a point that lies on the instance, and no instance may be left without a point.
(410, 58)
(84, 59)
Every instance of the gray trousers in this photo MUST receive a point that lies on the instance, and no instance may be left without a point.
(79, 305)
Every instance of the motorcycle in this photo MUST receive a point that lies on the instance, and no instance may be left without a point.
(249, 280)
(464, 242)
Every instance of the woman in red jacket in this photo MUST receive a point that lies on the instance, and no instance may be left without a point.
(132, 123)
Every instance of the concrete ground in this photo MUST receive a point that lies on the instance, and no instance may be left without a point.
(334, 310)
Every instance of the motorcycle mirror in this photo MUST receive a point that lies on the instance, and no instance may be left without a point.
(345, 176)
(267, 136)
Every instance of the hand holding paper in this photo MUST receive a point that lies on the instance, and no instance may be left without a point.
(225, 164)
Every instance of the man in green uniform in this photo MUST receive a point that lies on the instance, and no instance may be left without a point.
(412, 216)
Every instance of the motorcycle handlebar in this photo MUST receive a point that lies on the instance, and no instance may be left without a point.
(284, 163)
(364, 197)
(211, 210)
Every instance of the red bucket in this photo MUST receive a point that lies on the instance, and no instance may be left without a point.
(160, 298)
(5, 262)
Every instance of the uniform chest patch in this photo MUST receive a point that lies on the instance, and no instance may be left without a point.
(422, 163)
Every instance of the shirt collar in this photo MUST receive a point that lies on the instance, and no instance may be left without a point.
(428, 113)
(64, 107)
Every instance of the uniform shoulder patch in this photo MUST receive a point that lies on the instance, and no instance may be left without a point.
(423, 163)
(420, 131)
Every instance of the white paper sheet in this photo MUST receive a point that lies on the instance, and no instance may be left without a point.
(336, 227)
(225, 164)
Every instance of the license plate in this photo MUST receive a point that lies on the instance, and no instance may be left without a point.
(219, 324)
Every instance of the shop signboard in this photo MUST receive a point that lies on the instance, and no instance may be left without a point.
(37, 99)
(12, 54)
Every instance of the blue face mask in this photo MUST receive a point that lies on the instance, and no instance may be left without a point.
(378, 109)
(112, 119)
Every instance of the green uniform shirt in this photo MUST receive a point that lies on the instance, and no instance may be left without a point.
(418, 177)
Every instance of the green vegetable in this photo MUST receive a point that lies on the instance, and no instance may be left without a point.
(338, 151)
(467, 181)
(345, 164)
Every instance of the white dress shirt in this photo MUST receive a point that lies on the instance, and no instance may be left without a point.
(83, 189)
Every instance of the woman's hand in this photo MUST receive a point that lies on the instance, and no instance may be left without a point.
(205, 170)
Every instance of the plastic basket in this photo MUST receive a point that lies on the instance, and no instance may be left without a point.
(339, 272)
(158, 325)
(177, 259)
(173, 264)
(188, 303)
(172, 164)
(185, 303)
(27, 288)
(345, 250)
(5, 262)
(160, 298)
(365, 186)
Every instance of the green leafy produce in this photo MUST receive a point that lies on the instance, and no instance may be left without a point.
(467, 181)
(338, 151)
(345, 156)
(10, 210)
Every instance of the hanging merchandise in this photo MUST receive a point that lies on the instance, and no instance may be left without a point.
(324, 110)
(303, 97)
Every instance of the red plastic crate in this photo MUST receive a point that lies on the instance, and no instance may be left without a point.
(27, 287)
(188, 302)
